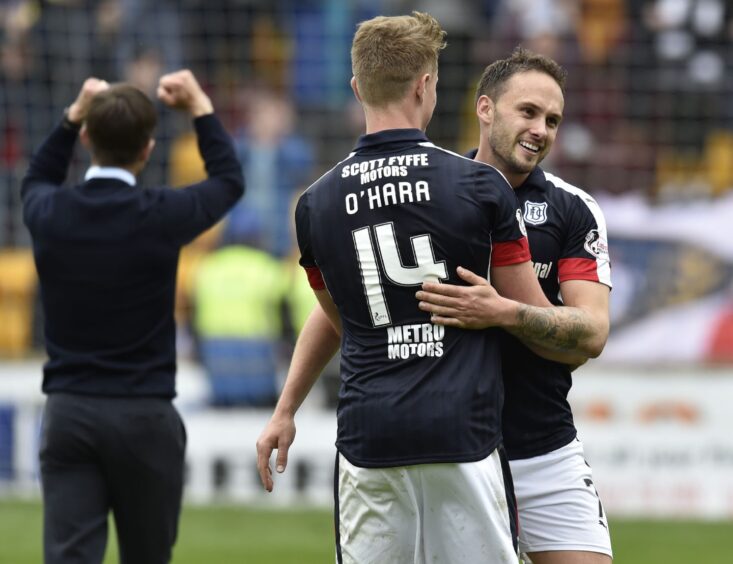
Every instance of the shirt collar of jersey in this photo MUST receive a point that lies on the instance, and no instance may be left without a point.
(117, 173)
(471, 154)
(536, 179)
(391, 136)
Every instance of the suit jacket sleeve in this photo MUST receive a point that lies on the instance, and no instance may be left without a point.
(47, 171)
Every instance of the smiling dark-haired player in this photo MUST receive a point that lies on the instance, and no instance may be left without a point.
(519, 104)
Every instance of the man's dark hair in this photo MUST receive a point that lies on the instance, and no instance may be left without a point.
(495, 76)
(120, 123)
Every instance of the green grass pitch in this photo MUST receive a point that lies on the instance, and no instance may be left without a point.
(246, 535)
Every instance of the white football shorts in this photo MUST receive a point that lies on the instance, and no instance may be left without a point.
(559, 507)
(423, 514)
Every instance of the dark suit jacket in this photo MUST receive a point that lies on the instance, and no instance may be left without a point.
(107, 254)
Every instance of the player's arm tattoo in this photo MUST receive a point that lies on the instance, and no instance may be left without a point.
(557, 328)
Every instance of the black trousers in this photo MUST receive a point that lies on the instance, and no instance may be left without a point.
(120, 454)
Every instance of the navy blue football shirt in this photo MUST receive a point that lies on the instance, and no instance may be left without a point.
(396, 212)
(568, 241)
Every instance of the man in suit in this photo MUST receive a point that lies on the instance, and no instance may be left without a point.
(106, 252)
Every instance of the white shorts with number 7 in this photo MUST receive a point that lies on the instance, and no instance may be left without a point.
(559, 507)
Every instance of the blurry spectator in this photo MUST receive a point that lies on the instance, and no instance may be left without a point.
(680, 79)
(321, 31)
(15, 62)
(222, 36)
(152, 27)
(69, 45)
(690, 47)
(540, 25)
(72, 39)
(238, 295)
(601, 147)
(270, 52)
(600, 27)
(51, 46)
(278, 163)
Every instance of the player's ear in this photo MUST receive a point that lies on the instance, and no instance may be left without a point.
(421, 86)
(355, 88)
(145, 155)
(84, 137)
(485, 109)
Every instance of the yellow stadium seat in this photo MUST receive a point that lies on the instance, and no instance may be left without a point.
(17, 289)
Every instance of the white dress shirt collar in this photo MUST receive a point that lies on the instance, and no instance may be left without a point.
(117, 173)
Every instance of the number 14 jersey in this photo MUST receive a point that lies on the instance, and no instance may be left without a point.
(396, 212)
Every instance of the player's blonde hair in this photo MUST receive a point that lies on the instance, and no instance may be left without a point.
(388, 53)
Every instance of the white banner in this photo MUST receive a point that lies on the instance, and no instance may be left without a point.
(659, 442)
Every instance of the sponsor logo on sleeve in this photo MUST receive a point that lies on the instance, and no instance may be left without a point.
(595, 244)
(535, 213)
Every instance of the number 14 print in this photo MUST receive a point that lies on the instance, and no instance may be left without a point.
(426, 268)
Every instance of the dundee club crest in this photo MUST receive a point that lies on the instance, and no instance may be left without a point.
(535, 213)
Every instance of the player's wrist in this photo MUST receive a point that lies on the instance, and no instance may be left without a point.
(284, 410)
(510, 314)
(201, 107)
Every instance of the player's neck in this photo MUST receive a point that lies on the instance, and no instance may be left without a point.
(515, 179)
(393, 117)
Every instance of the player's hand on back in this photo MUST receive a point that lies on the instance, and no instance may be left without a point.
(477, 306)
(77, 112)
(278, 434)
(181, 90)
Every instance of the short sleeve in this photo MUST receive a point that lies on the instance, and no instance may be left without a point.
(585, 255)
(305, 243)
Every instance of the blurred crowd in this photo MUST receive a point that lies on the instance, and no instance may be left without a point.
(648, 110)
